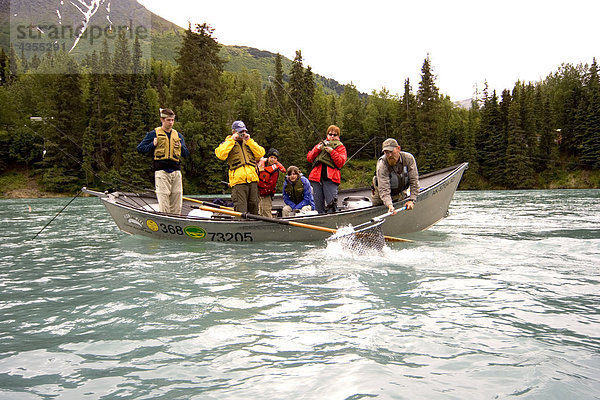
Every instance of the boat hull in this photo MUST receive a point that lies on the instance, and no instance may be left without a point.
(134, 214)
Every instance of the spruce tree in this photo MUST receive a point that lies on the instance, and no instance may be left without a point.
(489, 137)
(352, 118)
(278, 85)
(199, 68)
(64, 131)
(518, 171)
(428, 101)
(135, 167)
(590, 152)
(297, 85)
(3, 67)
(407, 120)
(198, 100)
(120, 119)
(546, 147)
(308, 98)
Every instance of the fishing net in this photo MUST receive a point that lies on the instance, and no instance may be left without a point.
(364, 239)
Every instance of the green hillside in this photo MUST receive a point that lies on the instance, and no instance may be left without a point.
(165, 46)
(165, 39)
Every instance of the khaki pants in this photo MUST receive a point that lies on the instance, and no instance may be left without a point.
(169, 191)
(245, 197)
(265, 206)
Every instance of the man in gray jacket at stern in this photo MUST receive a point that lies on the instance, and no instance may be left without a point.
(396, 177)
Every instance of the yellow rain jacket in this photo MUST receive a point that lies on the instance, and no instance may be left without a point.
(245, 173)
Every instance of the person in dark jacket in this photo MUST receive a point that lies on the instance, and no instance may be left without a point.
(168, 147)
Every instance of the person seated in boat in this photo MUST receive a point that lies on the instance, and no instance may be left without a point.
(327, 157)
(268, 174)
(396, 172)
(297, 193)
(168, 146)
(242, 154)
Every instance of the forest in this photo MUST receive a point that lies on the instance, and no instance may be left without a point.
(81, 128)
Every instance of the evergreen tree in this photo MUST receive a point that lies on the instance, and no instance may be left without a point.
(3, 67)
(278, 86)
(91, 134)
(352, 117)
(297, 88)
(333, 111)
(407, 120)
(566, 88)
(13, 65)
(63, 159)
(134, 167)
(490, 136)
(203, 118)
(120, 119)
(466, 148)
(199, 68)
(546, 147)
(308, 98)
(518, 171)
(428, 102)
(590, 153)
(379, 121)
(320, 112)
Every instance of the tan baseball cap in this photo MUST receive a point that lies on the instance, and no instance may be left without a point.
(389, 144)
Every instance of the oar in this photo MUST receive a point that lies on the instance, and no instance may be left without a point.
(285, 222)
(207, 203)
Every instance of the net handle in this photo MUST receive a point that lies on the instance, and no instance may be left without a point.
(387, 214)
(379, 218)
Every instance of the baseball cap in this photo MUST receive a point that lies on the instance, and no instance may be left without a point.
(238, 126)
(389, 144)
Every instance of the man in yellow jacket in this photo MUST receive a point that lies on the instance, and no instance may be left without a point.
(242, 154)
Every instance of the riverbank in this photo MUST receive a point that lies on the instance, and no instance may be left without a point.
(21, 184)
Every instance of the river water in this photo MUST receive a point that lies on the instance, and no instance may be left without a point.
(499, 300)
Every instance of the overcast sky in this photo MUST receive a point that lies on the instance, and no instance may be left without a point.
(380, 43)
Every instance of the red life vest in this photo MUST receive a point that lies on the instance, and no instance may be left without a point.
(267, 180)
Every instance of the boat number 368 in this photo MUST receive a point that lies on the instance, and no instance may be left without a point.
(196, 232)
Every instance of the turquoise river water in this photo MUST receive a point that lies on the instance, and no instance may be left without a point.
(500, 300)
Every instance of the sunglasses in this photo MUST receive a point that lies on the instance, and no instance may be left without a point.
(333, 134)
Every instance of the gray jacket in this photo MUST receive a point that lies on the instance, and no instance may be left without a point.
(384, 170)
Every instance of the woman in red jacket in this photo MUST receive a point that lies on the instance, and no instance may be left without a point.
(327, 157)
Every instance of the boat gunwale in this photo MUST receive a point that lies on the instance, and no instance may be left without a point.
(111, 198)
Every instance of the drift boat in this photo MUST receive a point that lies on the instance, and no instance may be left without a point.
(137, 214)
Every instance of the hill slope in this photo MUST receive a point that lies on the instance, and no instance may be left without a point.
(36, 16)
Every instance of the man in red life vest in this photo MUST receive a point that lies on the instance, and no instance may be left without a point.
(268, 174)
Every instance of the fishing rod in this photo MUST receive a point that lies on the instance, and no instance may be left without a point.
(358, 151)
(57, 214)
(82, 165)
